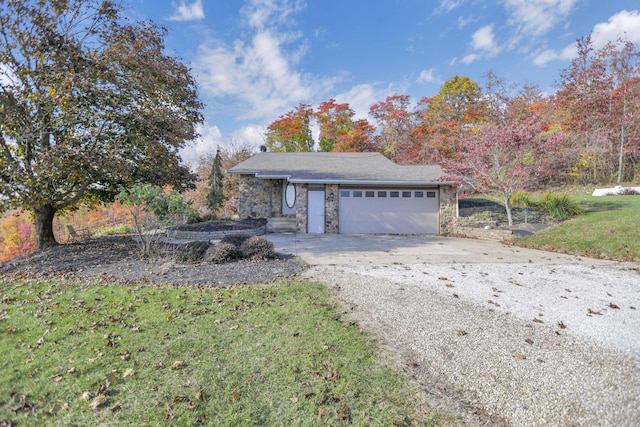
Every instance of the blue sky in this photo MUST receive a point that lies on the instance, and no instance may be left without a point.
(254, 60)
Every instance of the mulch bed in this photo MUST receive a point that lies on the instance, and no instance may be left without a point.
(118, 258)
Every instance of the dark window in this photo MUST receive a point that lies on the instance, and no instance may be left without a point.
(382, 194)
(344, 193)
(406, 194)
(418, 194)
(369, 194)
(394, 194)
(357, 194)
(431, 194)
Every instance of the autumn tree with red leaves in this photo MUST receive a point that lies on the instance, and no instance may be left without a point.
(394, 122)
(600, 97)
(504, 159)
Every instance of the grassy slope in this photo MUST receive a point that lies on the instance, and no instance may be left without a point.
(273, 355)
(609, 228)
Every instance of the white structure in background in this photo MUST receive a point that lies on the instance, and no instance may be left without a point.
(618, 189)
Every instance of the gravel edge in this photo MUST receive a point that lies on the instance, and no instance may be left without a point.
(492, 368)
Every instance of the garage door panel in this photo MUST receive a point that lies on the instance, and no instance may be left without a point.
(389, 215)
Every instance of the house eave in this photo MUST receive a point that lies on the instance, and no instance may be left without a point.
(368, 182)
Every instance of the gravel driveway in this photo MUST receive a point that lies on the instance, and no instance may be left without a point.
(501, 335)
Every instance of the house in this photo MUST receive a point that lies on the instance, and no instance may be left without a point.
(348, 193)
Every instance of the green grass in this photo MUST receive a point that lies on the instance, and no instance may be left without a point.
(608, 228)
(92, 353)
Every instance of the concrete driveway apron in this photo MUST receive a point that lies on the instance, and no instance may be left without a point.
(343, 249)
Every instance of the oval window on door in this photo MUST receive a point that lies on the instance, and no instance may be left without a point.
(290, 195)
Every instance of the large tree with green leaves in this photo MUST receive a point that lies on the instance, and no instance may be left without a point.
(90, 103)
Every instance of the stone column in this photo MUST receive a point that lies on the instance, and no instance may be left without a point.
(301, 208)
(331, 201)
(447, 209)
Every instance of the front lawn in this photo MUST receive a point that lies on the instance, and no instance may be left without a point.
(93, 353)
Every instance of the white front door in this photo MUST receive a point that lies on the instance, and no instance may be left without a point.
(315, 211)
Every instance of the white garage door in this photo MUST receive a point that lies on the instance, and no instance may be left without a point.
(388, 211)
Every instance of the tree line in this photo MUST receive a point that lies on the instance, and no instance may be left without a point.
(585, 133)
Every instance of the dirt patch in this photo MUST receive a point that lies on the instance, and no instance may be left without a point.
(118, 258)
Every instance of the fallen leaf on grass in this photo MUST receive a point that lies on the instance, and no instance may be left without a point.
(235, 395)
(199, 394)
(178, 364)
(169, 412)
(86, 395)
(115, 407)
(98, 401)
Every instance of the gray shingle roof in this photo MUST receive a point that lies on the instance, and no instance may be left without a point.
(337, 168)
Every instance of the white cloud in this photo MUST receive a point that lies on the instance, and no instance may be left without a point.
(468, 59)
(210, 138)
(483, 40)
(427, 76)
(188, 12)
(537, 17)
(262, 13)
(248, 136)
(483, 44)
(259, 75)
(449, 5)
(360, 98)
(624, 25)
(549, 55)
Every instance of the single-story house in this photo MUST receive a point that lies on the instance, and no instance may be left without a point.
(348, 193)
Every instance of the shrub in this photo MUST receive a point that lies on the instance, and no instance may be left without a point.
(236, 239)
(521, 199)
(222, 253)
(559, 206)
(181, 252)
(113, 230)
(257, 248)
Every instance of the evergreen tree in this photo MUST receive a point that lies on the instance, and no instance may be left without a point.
(215, 197)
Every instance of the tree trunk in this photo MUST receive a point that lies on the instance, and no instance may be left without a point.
(507, 207)
(43, 218)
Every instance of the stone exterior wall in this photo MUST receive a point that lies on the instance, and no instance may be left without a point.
(255, 197)
(331, 211)
(276, 198)
(447, 209)
(301, 208)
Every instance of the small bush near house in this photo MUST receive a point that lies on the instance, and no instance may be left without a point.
(559, 206)
(257, 248)
(221, 253)
(236, 239)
